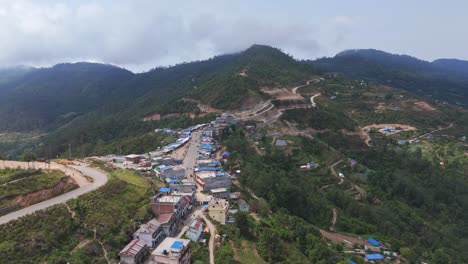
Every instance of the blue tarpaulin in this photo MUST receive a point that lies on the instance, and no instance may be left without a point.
(206, 168)
(164, 189)
(374, 242)
(169, 180)
(374, 256)
(177, 245)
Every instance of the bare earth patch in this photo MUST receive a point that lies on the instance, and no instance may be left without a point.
(424, 106)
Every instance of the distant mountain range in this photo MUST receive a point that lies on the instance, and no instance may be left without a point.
(444, 79)
(49, 98)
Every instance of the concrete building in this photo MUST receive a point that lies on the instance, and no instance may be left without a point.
(220, 193)
(209, 180)
(172, 251)
(134, 158)
(150, 232)
(178, 173)
(183, 186)
(164, 204)
(169, 171)
(195, 230)
(133, 252)
(168, 224)
(217, 209)
(164, 171)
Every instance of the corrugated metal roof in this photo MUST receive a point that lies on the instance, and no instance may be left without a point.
(374, 242)
(374, 256)
(133, 248)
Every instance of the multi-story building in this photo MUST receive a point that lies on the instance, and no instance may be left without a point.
(172, 251)
(218, 209)
(133, 252)
(150, 232)
(209, 180)
(195, 230)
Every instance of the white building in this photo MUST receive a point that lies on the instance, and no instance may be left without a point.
(172, 251)
(150, 232)
(195, 230)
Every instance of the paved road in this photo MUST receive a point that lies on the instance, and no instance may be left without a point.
(192, 153)
(99, 180)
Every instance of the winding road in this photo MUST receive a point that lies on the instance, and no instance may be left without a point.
(99, 179)
(312, 99)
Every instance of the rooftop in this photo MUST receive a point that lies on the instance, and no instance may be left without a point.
(169, 199)
(242, 202)
(164, 218)
(133, 248)
(219, 190)
(149, 227)
(170, 246)
(132, 156)
(281, 143)
(196, 223)
(164, 189)
(374, 242)
(374, 257)
(221, 202)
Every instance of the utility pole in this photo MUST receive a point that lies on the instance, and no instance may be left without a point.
(69, 151)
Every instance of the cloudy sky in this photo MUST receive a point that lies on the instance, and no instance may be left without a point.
(140, 35)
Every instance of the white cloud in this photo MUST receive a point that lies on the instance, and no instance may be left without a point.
(144, 34)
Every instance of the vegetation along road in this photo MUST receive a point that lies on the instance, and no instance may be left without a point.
(99, 179)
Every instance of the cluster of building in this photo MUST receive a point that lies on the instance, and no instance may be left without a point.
(159, 157)
(174, 202)
(169, 206)
(376, 251)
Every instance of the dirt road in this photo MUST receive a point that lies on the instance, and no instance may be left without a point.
(99, 179)
(348, 241)
(312, 99)
(332, 168)
(212, 237)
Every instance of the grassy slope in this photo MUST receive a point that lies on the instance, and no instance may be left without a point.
(111, 210)
(36, 182)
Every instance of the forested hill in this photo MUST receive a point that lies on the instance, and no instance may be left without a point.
(43, 96)
(47, 98)
(254, 68)
(445, 80)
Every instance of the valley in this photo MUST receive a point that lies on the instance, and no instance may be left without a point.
(322, 162)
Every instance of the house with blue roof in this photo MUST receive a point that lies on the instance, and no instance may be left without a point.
(374, 242)
(374, 257)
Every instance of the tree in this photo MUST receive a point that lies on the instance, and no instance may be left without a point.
(243, 223)
(28, 157)
(440, 257)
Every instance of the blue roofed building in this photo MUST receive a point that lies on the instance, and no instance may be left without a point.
(373, 257)
(374, 242)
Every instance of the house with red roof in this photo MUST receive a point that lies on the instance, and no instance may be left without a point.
(168, 223)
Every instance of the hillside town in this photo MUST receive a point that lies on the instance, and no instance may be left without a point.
(195, 196)
(196, 192)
